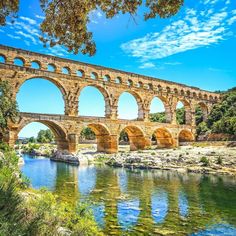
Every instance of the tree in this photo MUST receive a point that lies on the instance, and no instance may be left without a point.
(66, 22)
(45, 136)
(88, 134)
(32, 140)
(8, 107)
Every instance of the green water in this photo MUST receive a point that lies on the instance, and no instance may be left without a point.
(141, 202)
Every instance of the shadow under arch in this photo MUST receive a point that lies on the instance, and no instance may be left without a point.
(139, 102)
(136, 137)
(105, 94)
(105, 141)
(163, 138)
(186, 135)
(58, 131)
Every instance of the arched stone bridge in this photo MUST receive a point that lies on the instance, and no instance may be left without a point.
(72, 76)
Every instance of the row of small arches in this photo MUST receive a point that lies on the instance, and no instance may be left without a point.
(106, 78)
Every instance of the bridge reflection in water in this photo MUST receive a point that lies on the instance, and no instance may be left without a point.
(142, 202)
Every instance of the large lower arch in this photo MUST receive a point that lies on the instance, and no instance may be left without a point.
(139, 102)
(163, 138)
(40, 94)
(105, 141)
(136, 137)
(58, 131)
(103, 92)
(185, 135)
(204, 110)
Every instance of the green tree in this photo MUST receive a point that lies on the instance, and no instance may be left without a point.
(88, 134)
(45, 136)
(158, 117)
(222, 118)
(66, 22)
(32, 140)
(8, 107)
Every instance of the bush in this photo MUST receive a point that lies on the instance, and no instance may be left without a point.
(205, 161)
(219, 161)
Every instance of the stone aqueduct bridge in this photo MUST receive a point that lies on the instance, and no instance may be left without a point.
(72, 76)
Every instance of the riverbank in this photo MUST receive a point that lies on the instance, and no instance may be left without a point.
(197, 159)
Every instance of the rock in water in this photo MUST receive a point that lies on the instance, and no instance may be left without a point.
(65, 156)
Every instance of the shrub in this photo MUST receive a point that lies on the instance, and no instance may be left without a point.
(219, 161)
(204, 160)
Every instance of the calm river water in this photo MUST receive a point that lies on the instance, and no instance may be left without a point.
(141, 202)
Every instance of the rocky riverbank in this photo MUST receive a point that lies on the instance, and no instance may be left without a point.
(211, 160)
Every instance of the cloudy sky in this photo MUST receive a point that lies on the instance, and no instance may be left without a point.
(196, 47)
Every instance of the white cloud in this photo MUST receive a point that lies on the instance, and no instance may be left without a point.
(13, 36)
(29, 20)
(27, 36)
(40, 17)
(147, 65)
(194, 29)
(173, 63)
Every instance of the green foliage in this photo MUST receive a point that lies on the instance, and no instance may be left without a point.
(158, 117)
(124, 136)
(88, 134)
(204, 160)
(45, 136)
(32, 140)
(39, 213)
(219, 161)
(8, 105)
(202, 128)
(180, 115)
(66, 22)
(222, 118)
(198, 115)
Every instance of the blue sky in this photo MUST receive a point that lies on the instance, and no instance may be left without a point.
(196, 47)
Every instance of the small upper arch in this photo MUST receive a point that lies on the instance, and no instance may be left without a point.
(66, 70)
(106, 78)
(35, 64)
(80, 73)
(129, 82)
(51, 67)
(118, 80)
(19, 61)
(2, 58)
(94, 75)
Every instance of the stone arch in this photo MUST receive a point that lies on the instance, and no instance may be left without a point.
(106, 78)
(166, 105)
(54, 81)
(163, 138)
(35, 64)
(50, 79)
(80, 73)
(4, 59)
(139, 102)
(136, 137)
(186, 135)
(118, 80)
(105, 141)
(58, 131)
(139, 84)
(187, 110)
(21, 60)
(105, 94)
(51, 67)
(130, 83)
(66, 70)
(93, 75)
(204, 110)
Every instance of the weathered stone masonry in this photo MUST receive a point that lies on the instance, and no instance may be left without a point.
(72, 76)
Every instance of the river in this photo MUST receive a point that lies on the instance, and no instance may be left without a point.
(142, 202)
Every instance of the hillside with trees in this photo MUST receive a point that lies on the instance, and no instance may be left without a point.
(221, 120)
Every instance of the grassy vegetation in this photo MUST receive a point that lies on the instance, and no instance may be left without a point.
(25, 212)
